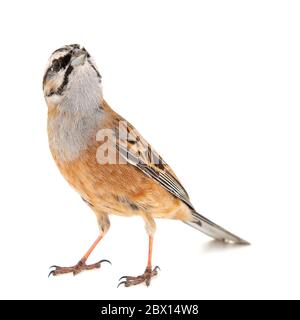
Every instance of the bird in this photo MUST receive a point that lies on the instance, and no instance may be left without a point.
(108, 162)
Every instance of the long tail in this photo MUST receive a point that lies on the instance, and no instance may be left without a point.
(213, 230)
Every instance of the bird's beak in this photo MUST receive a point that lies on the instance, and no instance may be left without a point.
(79, 58)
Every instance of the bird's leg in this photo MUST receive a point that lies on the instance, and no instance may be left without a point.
(146, 276)
(81, 265)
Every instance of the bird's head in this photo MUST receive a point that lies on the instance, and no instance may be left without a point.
(70, 72)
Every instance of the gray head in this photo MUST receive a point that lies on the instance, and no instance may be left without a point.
(71, 76)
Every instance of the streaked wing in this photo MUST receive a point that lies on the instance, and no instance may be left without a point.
(138, 152)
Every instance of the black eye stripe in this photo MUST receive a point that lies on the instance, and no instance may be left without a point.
(62, 62)
(61, 88)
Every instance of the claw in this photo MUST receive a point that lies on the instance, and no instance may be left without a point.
(51, 272)
(156, 269)
(123, 282)
(104, 260)
(124, 277)
(80, 266)
(145, 277)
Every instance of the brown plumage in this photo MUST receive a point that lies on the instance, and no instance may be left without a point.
(107, 189)
(106, 160)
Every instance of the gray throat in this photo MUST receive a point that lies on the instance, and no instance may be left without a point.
(78, 119)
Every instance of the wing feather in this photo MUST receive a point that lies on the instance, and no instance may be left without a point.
(137, 151)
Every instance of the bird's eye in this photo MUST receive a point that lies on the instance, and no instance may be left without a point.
(56, 65)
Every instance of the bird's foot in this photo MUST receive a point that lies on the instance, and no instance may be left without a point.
(80, 266)
(144, 278)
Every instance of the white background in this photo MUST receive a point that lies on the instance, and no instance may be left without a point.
(214, 86)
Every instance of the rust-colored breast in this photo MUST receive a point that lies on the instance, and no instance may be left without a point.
(120, 189)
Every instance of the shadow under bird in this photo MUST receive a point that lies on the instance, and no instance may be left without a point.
(106, 160)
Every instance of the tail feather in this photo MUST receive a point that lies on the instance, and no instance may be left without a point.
(213, 230)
